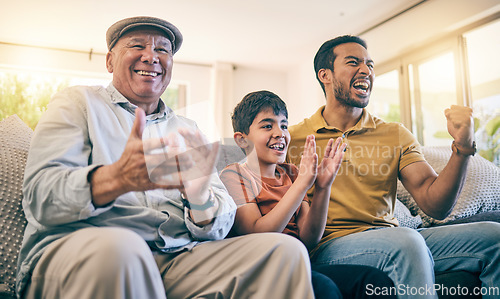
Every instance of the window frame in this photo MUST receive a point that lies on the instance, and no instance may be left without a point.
(454, 42)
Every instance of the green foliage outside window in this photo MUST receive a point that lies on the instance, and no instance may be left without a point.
(26, 96)
(488, 136)
(171, 98)
(393, 114)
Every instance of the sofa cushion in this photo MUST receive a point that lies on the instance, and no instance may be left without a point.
(228, 154)
(15, 138)
(493, 216)
(405, 218)
(480, 192)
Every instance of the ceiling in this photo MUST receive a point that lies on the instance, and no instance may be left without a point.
(269, 34)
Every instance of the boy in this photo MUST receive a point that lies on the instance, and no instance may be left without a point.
(271, 195)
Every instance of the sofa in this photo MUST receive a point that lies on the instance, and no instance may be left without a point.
(480, 199)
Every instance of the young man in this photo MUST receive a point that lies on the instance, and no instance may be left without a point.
(271, 195)
(360, 217)
(101, 225)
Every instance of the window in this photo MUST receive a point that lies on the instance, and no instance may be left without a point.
(433, 90)
(27, 92)
(384, 101)
(461, 69)
(483, 46)
(175, 97)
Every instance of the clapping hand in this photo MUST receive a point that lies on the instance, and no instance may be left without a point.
(308, 167)
(178, 161)
(143, 165)
(183, 160)
(196, 179)
(329, 166)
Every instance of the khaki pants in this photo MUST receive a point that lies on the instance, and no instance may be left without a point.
(117, 263)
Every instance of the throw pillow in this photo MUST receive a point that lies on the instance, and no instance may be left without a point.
(479, 194)
(15, 138)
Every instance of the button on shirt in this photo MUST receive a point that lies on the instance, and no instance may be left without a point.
(85, 127)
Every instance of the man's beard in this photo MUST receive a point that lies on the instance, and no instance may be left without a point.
(344, 97)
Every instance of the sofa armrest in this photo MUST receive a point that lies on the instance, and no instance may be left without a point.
(15, 138)
(480, 193)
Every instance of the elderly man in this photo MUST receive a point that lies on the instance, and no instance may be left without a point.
(110, 217)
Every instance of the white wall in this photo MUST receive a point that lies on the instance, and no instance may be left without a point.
(248, 80)
(297, 87)
(49, 60)
(199, 100)
(305, 95)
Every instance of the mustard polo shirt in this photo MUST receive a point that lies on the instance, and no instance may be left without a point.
(364, 192)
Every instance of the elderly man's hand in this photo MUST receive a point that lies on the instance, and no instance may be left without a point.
(460, 124)
(144, 166)
(196, 179)
(182, 160)
(157, 163)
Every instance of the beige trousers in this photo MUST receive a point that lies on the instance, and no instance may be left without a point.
(116, 263)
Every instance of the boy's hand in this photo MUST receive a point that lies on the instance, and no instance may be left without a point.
(327, 170)
(308, 167)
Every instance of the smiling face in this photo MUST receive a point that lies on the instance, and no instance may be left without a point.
(268, 138)
(353, 75)
(141, 63)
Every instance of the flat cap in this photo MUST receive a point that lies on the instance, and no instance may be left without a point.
(119, 28)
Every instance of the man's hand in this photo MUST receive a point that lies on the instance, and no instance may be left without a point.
(460, 125)
(436, 195)
(144, 165)
(130, 172)
(327, 170)
(196, 179)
